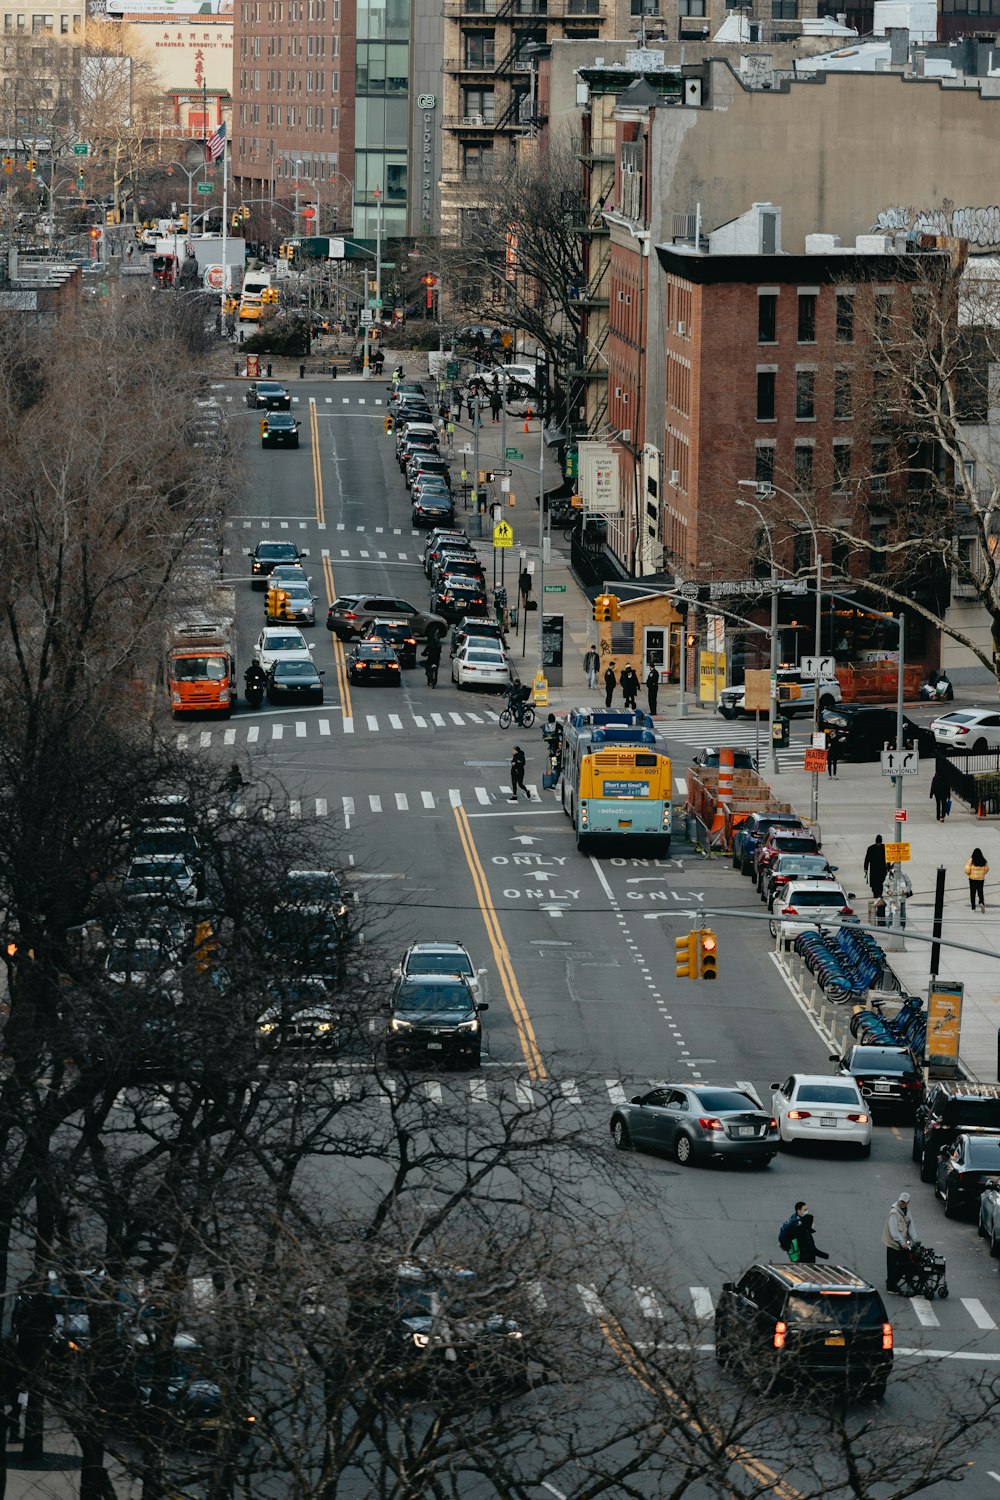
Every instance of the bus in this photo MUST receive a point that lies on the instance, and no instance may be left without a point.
(616, 781)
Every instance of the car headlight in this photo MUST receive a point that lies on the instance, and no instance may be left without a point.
(472, 1025)
(267, 1027)
(324, 1026)
(397, 1025)
(421, 1340)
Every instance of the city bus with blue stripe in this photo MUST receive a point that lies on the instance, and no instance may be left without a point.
(616, 780)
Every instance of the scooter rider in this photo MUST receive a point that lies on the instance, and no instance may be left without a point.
(431, 657)
(255, 679)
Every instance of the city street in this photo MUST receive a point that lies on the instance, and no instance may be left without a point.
(584, 1005)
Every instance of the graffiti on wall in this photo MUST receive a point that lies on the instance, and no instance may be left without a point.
(980, 226)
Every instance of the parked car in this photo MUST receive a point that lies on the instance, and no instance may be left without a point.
(965, 1170)
(482, 627)
(974, 730)
(481, 663)
(861, 731)
(752, 830)
(707, 1122)
(816, 1108)
(989, 1214)
(809, 903)
(455, 597)
(709, 758)
(809, 1323)
(781, 841)
(890, 1078)
(951, 1108)
(430, 509)
(793, 867)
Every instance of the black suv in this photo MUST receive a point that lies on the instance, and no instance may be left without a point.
(812, 1323)
(437, 1018)
(951, 1109)
(267, 555)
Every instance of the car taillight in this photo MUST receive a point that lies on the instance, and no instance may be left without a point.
(962, 729)
(781, 879)
(789, 911)
(781, 1329)
(774, 1123)
(847, 911)
(710, 1124)
(886, 1336)
(349, 614)
(858, 1119)
(800, 1114)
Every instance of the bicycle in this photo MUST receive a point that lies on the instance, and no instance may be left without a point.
(523, 715)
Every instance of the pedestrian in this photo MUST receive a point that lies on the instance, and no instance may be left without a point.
(803, 1247)
(610, 683)
(897, 1237)
(431, 658)
(591, 663)
(517, 774)
(875, 865)
(977, 870)
(524, 585)
(788, 1230)
(470, 401)
(630, 686)
(496, 405)
(832, 755)
(652, 686)
(941, 793)
(552, 734)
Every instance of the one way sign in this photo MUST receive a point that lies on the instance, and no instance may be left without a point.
(900, 763)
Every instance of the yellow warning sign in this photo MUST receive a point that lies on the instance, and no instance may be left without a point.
(897, 854)
(503, 534)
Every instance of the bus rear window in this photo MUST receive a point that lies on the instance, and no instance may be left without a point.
(645, 760)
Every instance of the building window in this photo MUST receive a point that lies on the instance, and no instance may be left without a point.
(805, 395)
(845, 317)
(883, 314)
(478, 106)
(784, 10)
(645, 7)
(479, 49)
(64, 25)
(765, 395)
(767, 318)
(843, 392)
(691, 7)
(841, 468)
(763, 469)
(477, 163)
(803, 467)
(880, 466)
(807, 317)
(801, 552)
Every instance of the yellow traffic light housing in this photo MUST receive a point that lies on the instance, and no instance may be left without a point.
(602, 607)
(708, 945)
(687, 955)
(613, 605)
(388, 424)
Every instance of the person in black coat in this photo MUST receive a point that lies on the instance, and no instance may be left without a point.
(939, 791)
(875, 865)
(630, 686)
(610, 683)
(809, 1252)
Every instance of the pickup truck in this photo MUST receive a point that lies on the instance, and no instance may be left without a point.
(753, 831)
(795, 690)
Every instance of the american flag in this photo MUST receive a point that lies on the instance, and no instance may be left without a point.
(216, 144)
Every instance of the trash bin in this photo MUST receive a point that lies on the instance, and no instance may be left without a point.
(779, 731)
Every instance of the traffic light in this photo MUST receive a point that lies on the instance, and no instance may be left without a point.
(30, 164)
(687, 955)
(602, 607)
(388, 424)
(95, 233)
(235, 219)
(80, 183)
(8, 164)
(282, 252)
(708, 945)
(245, 212)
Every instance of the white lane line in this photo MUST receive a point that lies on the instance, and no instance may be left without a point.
(482, 795)
(277, 731)
(348, 804)
(341, 1088)
(704, 1307)
(454, 796)
(388, 1089)
(229, 738)
(253, 734)
(592, 1301)
(401, 803)
(402, 556)
(344, 552)
(365, 554)
(341, 526)
(477, 1091)
(375, 802)
(372, 723)
(300, 729)
(395, 722)
(428, 798)
(437, 720)
(321, 807)
(648, 1305)
(523, 1093)
(182, 740)
(533, 791)
(379, 529)
(381, 555)
(977, 1312)
(616, 1093)
(925, 1313)
(348, 725)
(681, 785)
(324, 726)
(569, 1091)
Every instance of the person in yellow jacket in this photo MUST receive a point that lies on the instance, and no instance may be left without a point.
(977, 870)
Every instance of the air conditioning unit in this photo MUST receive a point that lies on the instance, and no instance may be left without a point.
(626, 434)
(618, 393)
(472, 119)
(675, 477)
(682, 329)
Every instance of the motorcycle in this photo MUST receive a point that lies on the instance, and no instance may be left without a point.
(255, 683)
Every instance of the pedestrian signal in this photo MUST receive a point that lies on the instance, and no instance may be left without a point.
(709, 948)
(687, 955)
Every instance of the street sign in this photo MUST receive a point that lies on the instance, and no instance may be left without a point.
(900, 814)
(512, 453)
(204, 188)
(751, 587)
(817, 666)
(554, 588)
(897, 854)
(503, 534)
(689, 590)
(900, 763)
(367, 316)
(503, 473)
(814, 760)
(81, 149)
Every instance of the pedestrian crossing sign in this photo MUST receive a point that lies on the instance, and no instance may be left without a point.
(503, 534)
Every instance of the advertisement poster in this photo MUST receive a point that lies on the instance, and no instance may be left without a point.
(944, 1022)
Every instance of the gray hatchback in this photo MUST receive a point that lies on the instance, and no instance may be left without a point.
(709, 1123)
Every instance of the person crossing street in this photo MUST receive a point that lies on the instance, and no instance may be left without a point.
(897, 1237)
(431, 658)
(517, 774)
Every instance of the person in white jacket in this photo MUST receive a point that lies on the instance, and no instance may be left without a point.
(897, 1237)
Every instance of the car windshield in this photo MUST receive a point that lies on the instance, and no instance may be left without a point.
(166, 841)
(295, 669)
(828, 898)
(313, 885)
(800, 864)
(825, 1093)
(791, 840)
(718, 1100)
(199, 669)
(439, 963)
(134, 960)
(972, 1112)
(881, 1059)
(271, 551)
(958, 719)
(983, 1151)
(859, 1309)
(284, 643)
(423, 996)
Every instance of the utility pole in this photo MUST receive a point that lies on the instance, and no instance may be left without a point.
(378, 283)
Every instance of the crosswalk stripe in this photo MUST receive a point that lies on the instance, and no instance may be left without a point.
(420, 723)
(253, 734)
(681, 785)
(229, 738)
(395, 722)
(341, 1088)
(321, 807)
(277, 731)
(523, 1093)
(348, 805)
(388, 1089)
(533, 791)
(977, 1312)
(615, 1091)
(438, 720)
(428, 799)
(206, 738)
(295, 807)
(324, 726)
(482, 795)
(375, 802)
(300, 729)
(456, 718)
(401, 801)
(569, 1091)
(454, 796)
(925, 1313)
(402, 556)
(372, 723)
(433, 1090)
(592, 1301)
(475, 718)
(348, 725)
(704, 1307)
(648, 1305)
(477, 1091)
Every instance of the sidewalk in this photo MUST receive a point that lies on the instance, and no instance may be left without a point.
(57, 1475)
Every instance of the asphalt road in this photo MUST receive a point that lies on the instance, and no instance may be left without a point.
(584, 1003)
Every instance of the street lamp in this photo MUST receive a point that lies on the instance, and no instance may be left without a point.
(773, 693)
(765, 491)
(177, 166)
(377, 195)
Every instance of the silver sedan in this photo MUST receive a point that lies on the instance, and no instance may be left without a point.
(708, 1123)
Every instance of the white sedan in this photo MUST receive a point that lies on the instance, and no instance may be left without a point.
(973, 729)
(816, 1107)
(280, 643)
(481, 663)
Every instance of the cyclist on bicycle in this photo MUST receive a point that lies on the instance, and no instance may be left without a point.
(517, 701)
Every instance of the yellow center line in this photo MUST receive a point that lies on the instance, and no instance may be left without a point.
(501, 953)
(625, 1351)
(339, 661)
(316, 462)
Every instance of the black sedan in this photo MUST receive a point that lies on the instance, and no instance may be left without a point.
(398, 635)
(267, 555)
(862, 730)
(890, 1078)
(374, 663)
(270, 394)
(431, 509)
(708, 1123)
(965, 1170)
(301, 1015)
(455, 597)
(294, 682)
(281, 431)
(435, 1017)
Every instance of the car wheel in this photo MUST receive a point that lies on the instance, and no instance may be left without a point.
(728, 713)
(723, 1349)
(745, 867)
(620, 1135)
(865, 1151)
(826, 701)
(927, 1169)
(980, 747)
(876, 1390)
(994, 1242)
(736, 860)
(915, 1150)
(950, 1204)
(763, 1161)
(684, 1149)
(772, 928)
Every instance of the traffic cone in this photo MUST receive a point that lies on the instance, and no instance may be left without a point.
(979, 810)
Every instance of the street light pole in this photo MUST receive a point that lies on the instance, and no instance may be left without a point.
(377, 195)
(773, 671)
